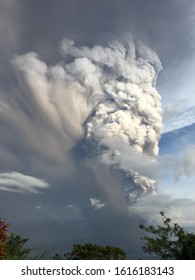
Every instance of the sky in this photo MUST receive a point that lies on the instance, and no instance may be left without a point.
(96, 119)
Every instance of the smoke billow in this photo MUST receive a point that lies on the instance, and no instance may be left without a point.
(104, 95)
(124, 120)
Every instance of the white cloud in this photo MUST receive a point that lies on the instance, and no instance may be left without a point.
(18, 182)
(178, 165)
(96, 203)
(70, 206)
(176, 118)
(180, 210)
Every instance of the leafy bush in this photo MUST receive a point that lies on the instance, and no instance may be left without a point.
(11, 245)
(169, 241)
(93, 252)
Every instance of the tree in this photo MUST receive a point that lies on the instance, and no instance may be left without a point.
(169, 241)
(3, 238)
(15, 249)
(12, 245)
(94, 252)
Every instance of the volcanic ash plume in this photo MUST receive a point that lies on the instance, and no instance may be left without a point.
(106, 96)
(125, 119)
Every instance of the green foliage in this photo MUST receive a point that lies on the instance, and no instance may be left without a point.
(169, 241)
(11, 245)
(15, 248)
(94, 252)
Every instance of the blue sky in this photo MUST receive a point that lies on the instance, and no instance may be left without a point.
(89, 92)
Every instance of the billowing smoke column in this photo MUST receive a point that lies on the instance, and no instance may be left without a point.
(107, 96)
(125, 117)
